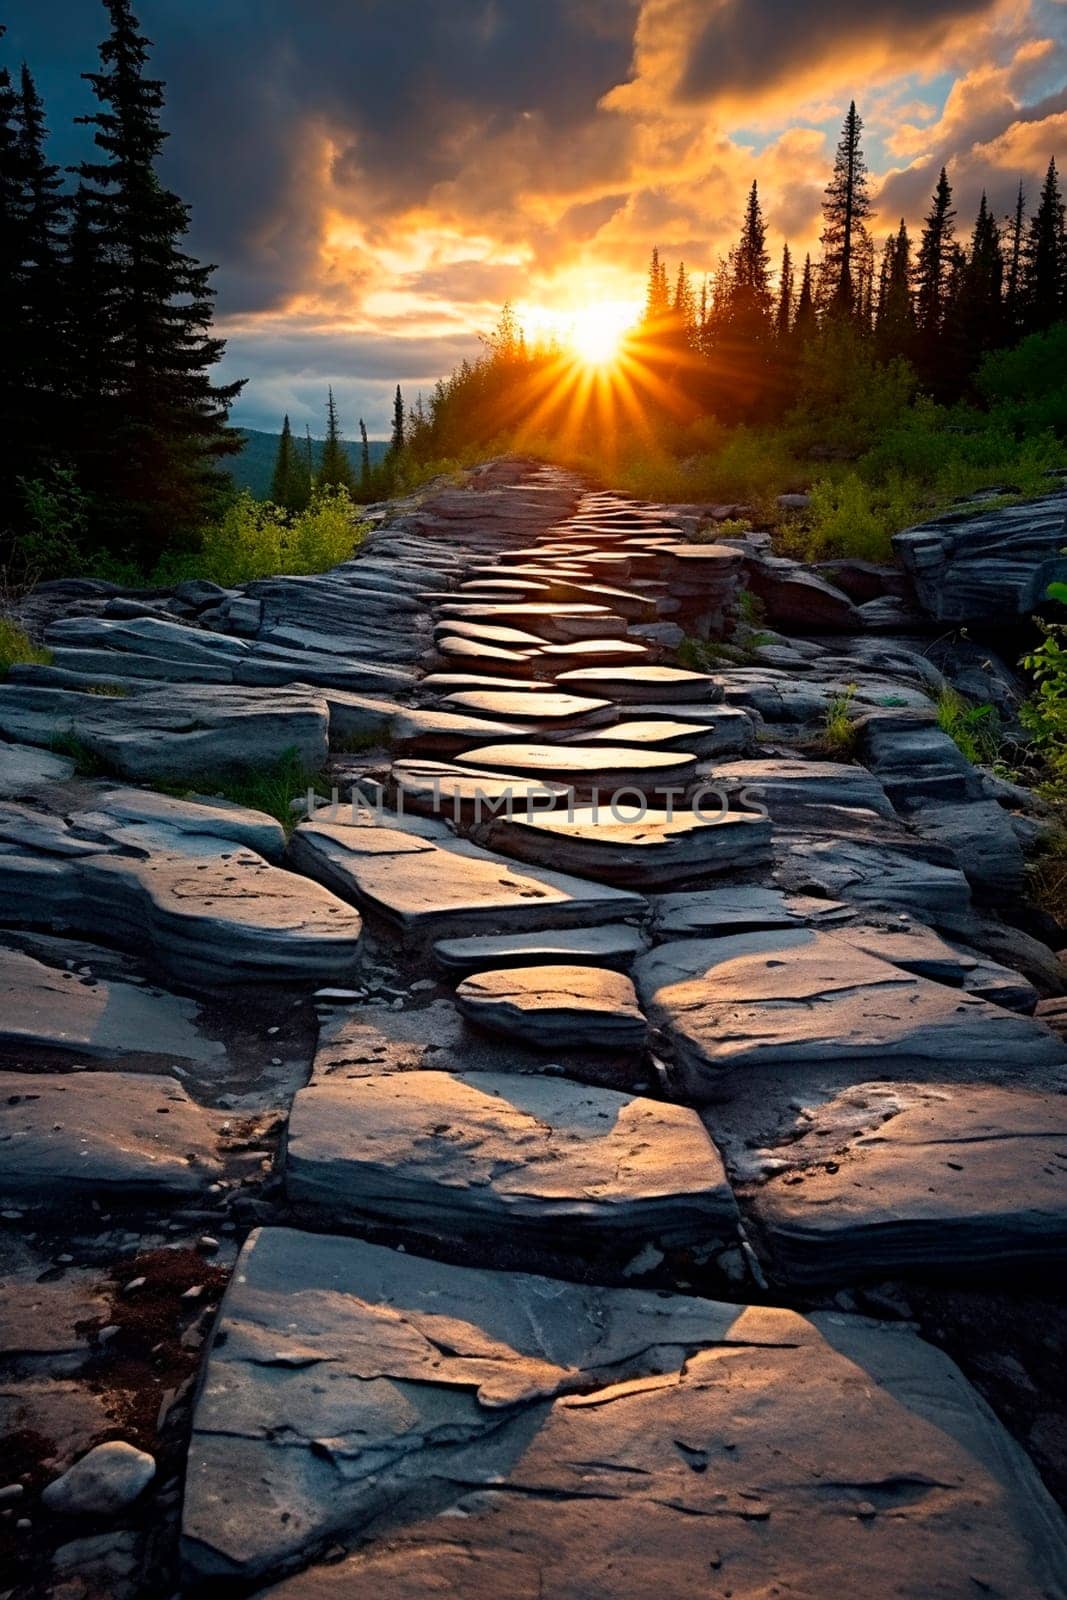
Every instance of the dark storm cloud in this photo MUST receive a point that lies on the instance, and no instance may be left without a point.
(406, 92)
(740, 45)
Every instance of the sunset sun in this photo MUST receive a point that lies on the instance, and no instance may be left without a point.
(598, 332)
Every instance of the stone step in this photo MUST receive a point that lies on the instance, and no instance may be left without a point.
(559, 1006)
(468, 794)
(796, 997)
(640, 684)
(656, 850)
(429, 884)
(527, 1170)
(548, 709)
(616, 948)
(495, 1433)
(587, 765)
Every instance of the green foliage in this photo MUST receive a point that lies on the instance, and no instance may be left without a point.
(1044, 714)
(270, 789)
(54, 524)
(255, 539)
(87, 763)
(1026, 387)
(975, 729)
(750, 608)
(838, 737)
(847, 518)
(16, 645)
(847, 397)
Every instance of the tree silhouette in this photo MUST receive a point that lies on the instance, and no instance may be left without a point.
(846, 210)
(335, 469)
(1045, 257)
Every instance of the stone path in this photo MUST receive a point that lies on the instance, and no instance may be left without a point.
(573, 1104)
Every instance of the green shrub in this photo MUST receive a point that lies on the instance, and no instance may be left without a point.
(270, 789)
(838, 737)
(1026, 388)
(16, 645)
(846, 518)
(975, 729)
(1044, 714)
(257, 540)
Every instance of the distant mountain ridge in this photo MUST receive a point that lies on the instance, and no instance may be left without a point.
(254, 467)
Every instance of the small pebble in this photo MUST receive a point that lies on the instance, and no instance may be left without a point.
(206, 1244)
(10, 1492)
(133, 1285)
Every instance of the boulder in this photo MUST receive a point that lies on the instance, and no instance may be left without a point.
(102, 1483)
(987, 566)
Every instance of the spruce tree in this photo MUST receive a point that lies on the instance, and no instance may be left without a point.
(1013, 290)
(979, 312)
(684, 307)
(805, 322)
(364, 463)
(750, 290)
(165, 418)
(846, 210)
(895, 327)
(1045, 258)
(335, 470)
(784, 315)
(11, 288)
(934, 268)
(657, 294)
(35, 351)
(396, 443)
(283, 466)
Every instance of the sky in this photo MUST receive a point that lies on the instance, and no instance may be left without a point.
(375, 178)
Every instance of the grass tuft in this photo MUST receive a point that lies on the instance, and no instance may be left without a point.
(17, 646)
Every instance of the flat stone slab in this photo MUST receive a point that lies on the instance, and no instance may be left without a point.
(890, 873)
(585, 764)
(181, 732)
(740, 908)
(529, 1163)
(934, 1178)
(662, 733)
(663, 684)
(485, 657)
(54, 1008)
(26, 770)
(467, 794)
(560, 658)
(227, 917)
(548, 709)
(797, 996)
(653, 849)
(445, 733)
(144, 820)
(449, 683)
(791, 788)
(429, 884)
(108, 1135)
(510, 1435)
(616, 948)
(556, 1007)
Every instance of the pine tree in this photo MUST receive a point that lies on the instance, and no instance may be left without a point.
(11, 272)
(805, 322)
(979, 313)
(36, 349)
(364, 463)
(657, 295)
(396, 443)
(846, 209)
(1045, 258)
(935, 265)
(750, 290)
(684, 307)
(283, 466)
(784, 316)
(166, 419)
(895, 327)
(335, 469)
(1013, 291)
